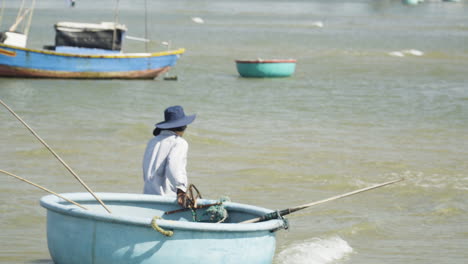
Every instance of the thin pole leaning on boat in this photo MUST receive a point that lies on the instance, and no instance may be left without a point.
(43, 188)
(56, 156)
(2, 9)
(287, 211)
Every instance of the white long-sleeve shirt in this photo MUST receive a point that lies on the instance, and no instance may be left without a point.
(164, 164)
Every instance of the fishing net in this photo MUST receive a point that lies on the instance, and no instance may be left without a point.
(209, 213)
(217, 213)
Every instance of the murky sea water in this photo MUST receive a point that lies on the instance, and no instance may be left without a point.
(380, 92)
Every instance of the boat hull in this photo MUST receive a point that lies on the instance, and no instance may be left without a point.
(77, 236)
(265, 68)
(29, 63)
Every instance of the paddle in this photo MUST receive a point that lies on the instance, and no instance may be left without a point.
(274, 215)
(56, 156)
(43, 188)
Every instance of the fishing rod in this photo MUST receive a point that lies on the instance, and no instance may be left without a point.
(56, 156)
(280, 213)
(43, 188)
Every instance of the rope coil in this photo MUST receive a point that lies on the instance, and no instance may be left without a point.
(155, 226)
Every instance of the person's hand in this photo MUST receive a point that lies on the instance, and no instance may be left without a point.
(182, 199)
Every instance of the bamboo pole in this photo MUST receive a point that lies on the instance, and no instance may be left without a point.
(19, 20)
(287, 211)
(2, 9)
(20, 10)
(56, 156)
(28, 26)
(43, 188)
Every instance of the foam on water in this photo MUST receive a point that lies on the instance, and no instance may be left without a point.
(315, 251)
(402, 53)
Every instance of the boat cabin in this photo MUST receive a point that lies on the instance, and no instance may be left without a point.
(73, 37)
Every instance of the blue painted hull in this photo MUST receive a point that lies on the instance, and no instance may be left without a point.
(77, 236)
(22, 62)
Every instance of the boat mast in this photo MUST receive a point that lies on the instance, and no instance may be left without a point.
(28, 26)
(19, 37)
(1, 12)
(22, 13)
(116, 21)
(146, 26)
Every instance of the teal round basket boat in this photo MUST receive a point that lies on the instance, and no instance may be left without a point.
(266, 68)
(139, 231)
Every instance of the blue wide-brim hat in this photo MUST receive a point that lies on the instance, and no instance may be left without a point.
(174, 116)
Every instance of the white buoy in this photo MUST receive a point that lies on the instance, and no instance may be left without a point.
(198, 20)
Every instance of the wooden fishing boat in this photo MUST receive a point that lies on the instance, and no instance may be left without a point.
(266, 68)
(128, 235)
(83, 50)
(23, 62)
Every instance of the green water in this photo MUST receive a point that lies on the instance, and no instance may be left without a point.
(353, 114)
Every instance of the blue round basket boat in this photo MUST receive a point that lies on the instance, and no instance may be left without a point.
(129, 235)
(266, 68)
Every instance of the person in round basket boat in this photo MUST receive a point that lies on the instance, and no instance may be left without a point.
(165, 159)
